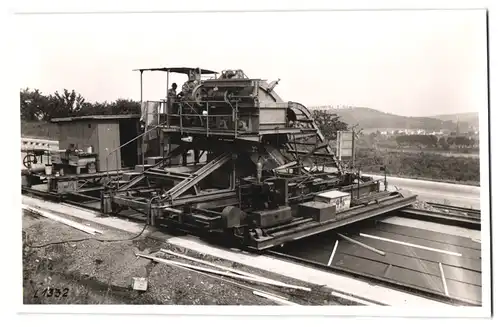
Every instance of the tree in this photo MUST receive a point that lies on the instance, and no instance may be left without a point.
(433, 141)
(443, 143)
(36, 107)
(33, 104)
(328, 123)
(96, 108)
(64, 105)
(451, 140)
(126, 106)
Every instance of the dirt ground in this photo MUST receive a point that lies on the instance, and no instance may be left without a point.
(93, 272)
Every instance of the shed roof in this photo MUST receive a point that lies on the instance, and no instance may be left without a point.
(95, 117)
(179, 70)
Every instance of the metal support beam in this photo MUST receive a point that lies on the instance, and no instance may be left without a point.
(345, 218)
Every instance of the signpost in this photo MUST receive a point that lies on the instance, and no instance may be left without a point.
(345, 146)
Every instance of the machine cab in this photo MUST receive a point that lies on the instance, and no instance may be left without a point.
(229, 105)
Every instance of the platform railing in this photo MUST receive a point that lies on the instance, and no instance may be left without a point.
(205, 118)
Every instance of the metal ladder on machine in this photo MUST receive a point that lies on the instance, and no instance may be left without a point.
(197, 176)
(301, 110)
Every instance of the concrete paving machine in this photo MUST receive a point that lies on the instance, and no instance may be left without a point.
(227, 156)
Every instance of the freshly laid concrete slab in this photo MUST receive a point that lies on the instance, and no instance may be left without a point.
(340, 283)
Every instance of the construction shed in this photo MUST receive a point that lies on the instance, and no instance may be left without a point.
(102, 135)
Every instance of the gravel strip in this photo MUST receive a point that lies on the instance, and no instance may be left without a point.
(92, 272)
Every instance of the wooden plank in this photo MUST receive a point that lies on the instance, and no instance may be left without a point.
(274, 298)
(232, 282)
(362, 244)
(74, 224)
(227, 274)
(239, 272)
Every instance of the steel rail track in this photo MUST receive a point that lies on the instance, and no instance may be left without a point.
(442, 218)
(58, 198)
(413, 213)
(469, 211)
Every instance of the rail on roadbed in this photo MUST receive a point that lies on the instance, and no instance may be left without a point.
(443, 218)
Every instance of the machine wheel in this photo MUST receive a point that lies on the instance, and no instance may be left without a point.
(238, 232)
(198, 94)
(257, 233)
(29, 160)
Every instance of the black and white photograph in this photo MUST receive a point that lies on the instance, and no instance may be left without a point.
(234, 160)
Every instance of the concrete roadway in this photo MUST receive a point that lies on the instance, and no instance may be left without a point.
(447, 261)
(456, 194)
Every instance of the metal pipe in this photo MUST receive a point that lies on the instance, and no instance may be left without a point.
(141, 85)
(172, 210)
(235, 120)
(233, 174)
(168, 82)
(150, 210)
(180, 116)
(27, 171)
(145, 125)
(207, 211)
(126, 143)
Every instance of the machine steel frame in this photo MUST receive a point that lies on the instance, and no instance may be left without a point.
(264, 158)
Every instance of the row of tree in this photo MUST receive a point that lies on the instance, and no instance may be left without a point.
(432, 141)
(36, 106)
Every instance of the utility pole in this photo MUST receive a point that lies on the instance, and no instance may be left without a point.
(359, 177)
(384, 168)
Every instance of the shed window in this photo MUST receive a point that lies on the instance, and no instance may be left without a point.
(90, 125)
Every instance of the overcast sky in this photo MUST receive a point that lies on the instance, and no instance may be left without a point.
(404, 62)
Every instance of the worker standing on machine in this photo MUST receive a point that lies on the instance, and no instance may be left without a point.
(171, 95)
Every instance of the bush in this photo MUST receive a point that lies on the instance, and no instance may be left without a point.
(425, 165)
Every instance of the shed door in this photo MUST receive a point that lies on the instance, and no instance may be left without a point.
(109, 140)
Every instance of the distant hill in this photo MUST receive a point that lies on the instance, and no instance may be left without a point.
(368, 118)
(472, 118)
